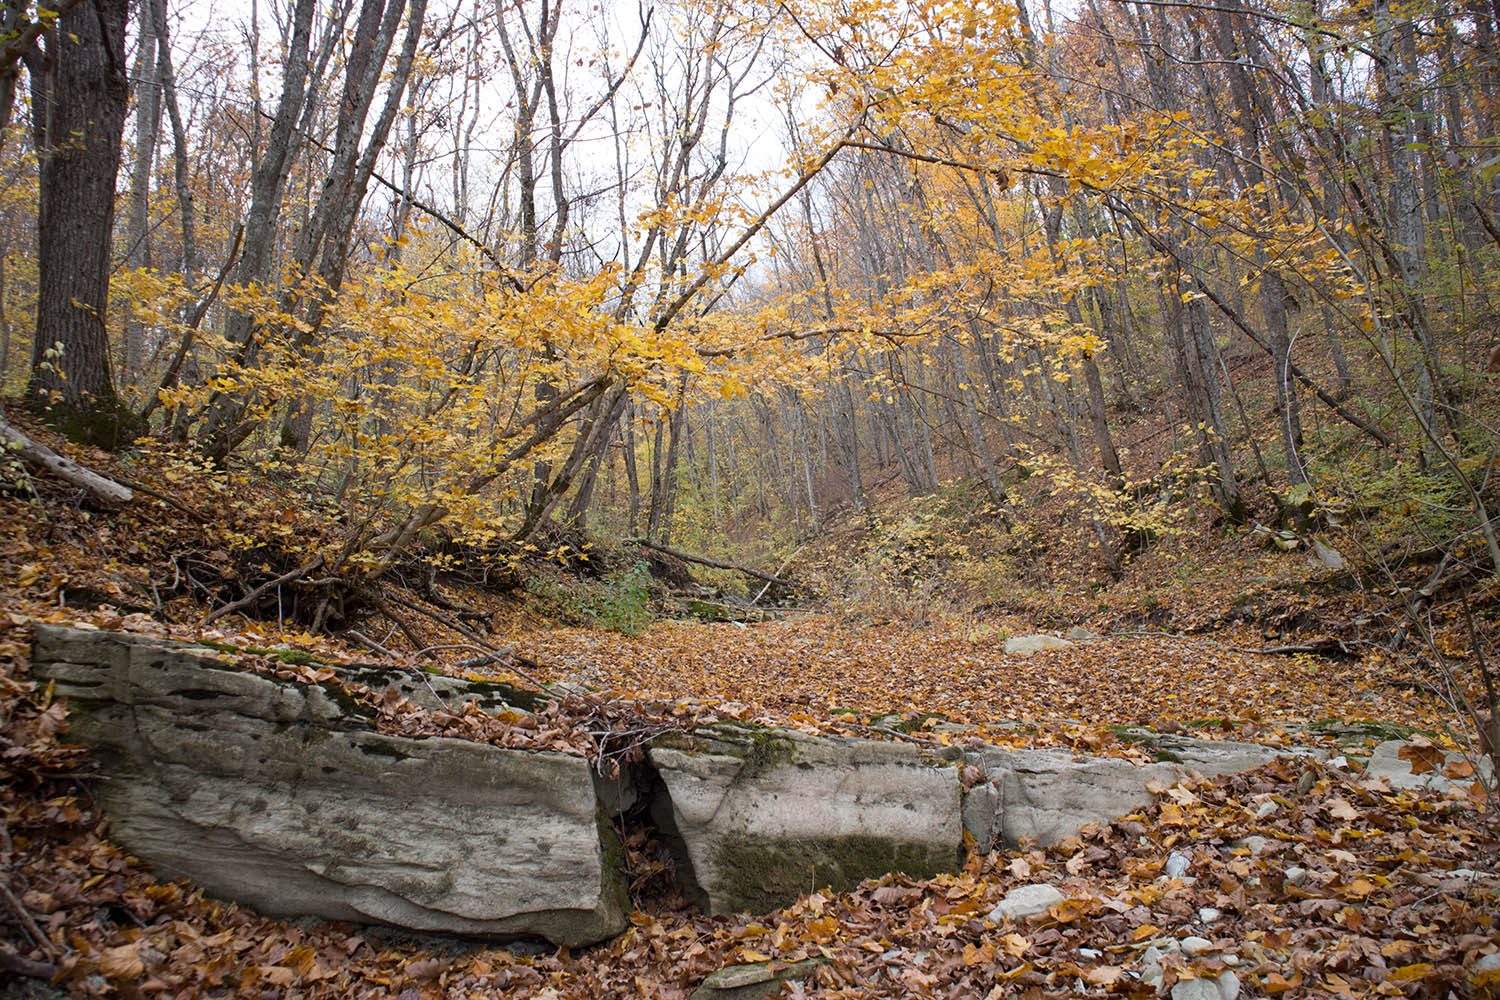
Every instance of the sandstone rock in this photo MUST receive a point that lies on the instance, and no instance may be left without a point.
(1026, 901)
(1327, 556)
(1049, 794)
(759, 816)
(1025, 645)
(1225, 986)
(751, 982)
(1080, 634)
(1193, 946)
(1212, 758)
(279, 795)
(1387, 762)
(982, 805)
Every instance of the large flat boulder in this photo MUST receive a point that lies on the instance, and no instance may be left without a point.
(282, 796)
(1049, 794)
(759, 816)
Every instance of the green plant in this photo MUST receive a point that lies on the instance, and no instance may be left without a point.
(624, 603)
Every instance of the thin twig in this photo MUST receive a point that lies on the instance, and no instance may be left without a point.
(258, 592)
(28, 967)
(27, 920)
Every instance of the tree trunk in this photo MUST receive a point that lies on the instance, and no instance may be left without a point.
(147, 123)
(79, 103)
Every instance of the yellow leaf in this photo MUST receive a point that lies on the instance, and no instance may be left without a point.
(1410, 973)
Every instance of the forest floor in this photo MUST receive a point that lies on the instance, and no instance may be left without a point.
(1355, 889)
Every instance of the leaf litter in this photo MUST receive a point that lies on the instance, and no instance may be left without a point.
(1304, 879)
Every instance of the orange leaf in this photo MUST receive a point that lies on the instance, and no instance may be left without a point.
(1423, 757)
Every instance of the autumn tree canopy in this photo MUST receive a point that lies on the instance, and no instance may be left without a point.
(663, 268)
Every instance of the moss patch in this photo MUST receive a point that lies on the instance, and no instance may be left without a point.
(760, 876)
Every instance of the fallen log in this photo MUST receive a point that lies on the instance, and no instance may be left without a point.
(716, 564)
(39, 456)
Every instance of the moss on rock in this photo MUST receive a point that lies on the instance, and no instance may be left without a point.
(761, 875)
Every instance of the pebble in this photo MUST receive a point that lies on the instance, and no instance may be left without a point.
(1194, 946)
(1026, 901)
(1177, 865)
(1226, 986)
(1208, 914)
(1489, 963)
(1266, 808)
(1196, 989)
(1295, 875)
(1256, 843)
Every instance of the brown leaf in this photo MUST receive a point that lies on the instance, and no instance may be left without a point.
(123, 962)
(428, 968)
(1422, 756)
(1104, 975)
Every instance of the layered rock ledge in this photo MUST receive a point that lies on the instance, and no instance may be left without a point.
(282, 794)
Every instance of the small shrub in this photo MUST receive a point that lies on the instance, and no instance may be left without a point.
(624, 603)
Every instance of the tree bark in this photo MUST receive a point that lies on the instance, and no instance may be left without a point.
(79, 102)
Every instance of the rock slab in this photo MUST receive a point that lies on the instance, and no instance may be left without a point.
(759, 816)
(1025, 645)
(281, 795)
(1387, 762)
(755, 981)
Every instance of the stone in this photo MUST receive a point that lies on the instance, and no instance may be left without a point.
(1151, 970)
(759, 816)
(1177, 865)
(1025, 645)
(1194, 946)
(281, 795)
(1386, 762)
(1255, 843)
(1225, 986)
(982, 806)
(1051, 794)
(1488, 963)
(1295, 875)
(1207, 914)
(753, 981)
(1327, 556)
(1080, 634)
(1026, 901)
(1195, 989)
(1212, 758)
